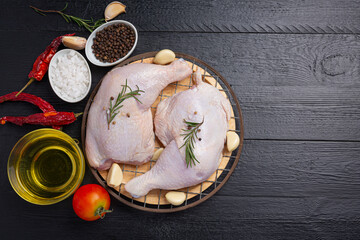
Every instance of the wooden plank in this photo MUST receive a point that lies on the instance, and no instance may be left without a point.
(297, 169)
(289, 86)
(281, 189)
(224, 218)
(250, 16)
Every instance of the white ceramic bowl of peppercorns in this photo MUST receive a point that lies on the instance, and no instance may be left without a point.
(111, 43)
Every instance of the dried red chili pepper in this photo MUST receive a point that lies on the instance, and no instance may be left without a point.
(42, 62)
(46, 107)
(41, 103)
(26, 97)
(45, 119)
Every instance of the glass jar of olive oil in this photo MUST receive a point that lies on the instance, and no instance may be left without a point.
(45, 166)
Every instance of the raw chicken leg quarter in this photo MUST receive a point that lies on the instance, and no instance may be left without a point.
(129, 138)
(202, 102)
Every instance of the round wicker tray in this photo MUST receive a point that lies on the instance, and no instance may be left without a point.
(155, 200)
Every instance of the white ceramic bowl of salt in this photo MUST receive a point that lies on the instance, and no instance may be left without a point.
(70, 75)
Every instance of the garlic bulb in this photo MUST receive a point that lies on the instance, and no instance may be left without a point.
(232, 141)
(164, 56)
(157, 154)
(115, 176)
(114, 9)
(73, 42)
(175, 198)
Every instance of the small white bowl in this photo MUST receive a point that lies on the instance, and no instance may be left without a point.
(88, 50)
(52, 77)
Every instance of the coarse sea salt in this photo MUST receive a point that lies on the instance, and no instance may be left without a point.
(70, 76)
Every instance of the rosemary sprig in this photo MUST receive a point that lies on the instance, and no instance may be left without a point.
(113, 110)
(89, 24)
(189, 139)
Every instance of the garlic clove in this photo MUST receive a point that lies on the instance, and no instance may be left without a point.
(157, 154)
(73, 42)
(114, 9)
(175, 198)
(232, 141)
(115, 176)
(164, 56)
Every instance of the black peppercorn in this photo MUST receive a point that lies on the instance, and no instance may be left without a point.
(113, 42)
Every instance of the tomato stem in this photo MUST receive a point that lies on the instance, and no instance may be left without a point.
(100, 210)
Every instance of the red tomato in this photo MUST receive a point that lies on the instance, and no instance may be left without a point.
(91, 202)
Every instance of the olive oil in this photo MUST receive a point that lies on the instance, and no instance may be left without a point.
(48, 167)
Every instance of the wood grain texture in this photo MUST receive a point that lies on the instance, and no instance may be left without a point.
(280, 190)
(250, 16)
(298, 176)
(289, 86)
(297, 169)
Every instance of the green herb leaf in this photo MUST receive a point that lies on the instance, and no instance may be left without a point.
(113, 110)
(190, 136)
(89, 24)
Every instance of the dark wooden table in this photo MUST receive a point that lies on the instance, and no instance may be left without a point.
(295, 67)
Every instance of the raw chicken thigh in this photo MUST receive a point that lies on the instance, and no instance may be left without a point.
(130, 136)
(201, 103)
